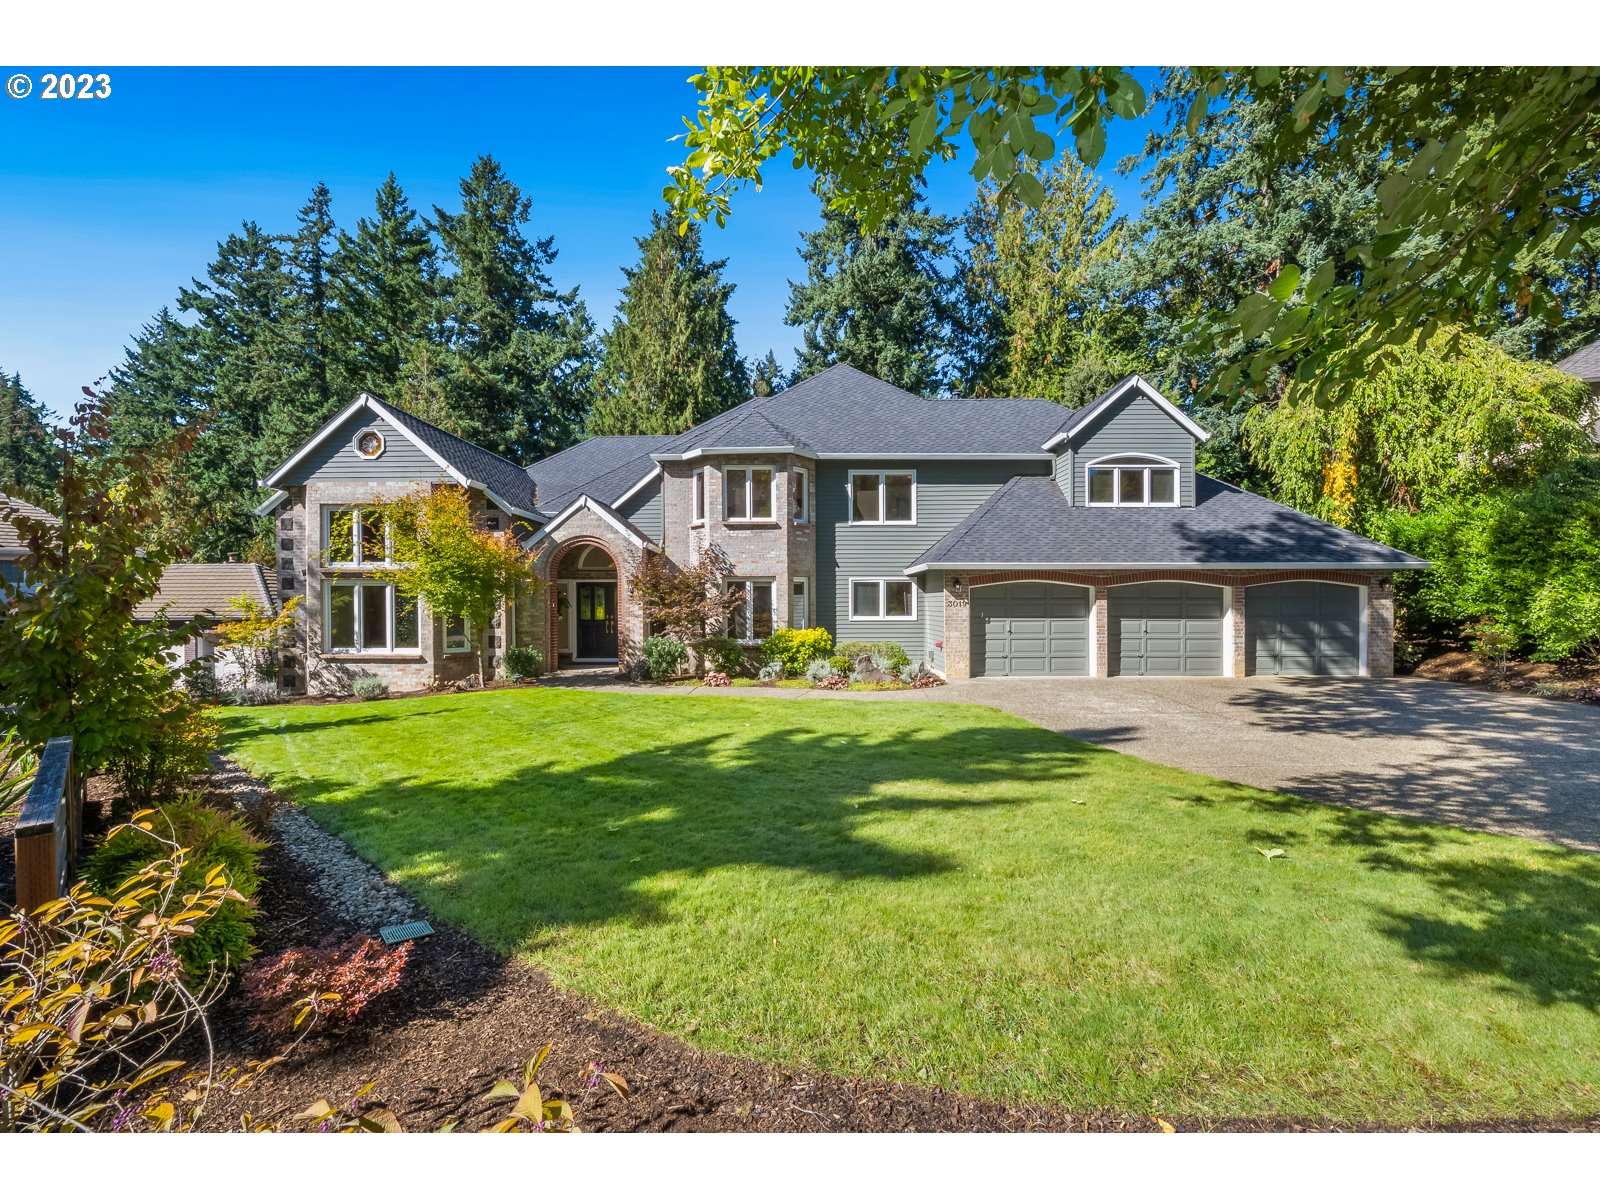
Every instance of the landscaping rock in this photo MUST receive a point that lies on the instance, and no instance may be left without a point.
(349, 885)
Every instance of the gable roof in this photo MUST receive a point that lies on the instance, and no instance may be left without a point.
(470, 465)
(1584, 363)
(1128, 383)
(10, 540)
(605, 512)
(845, 413)
(205, 589)
(1029, 523)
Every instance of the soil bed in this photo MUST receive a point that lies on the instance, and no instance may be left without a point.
(1553, 681)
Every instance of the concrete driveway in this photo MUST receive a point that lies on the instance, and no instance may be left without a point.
(1413, 747)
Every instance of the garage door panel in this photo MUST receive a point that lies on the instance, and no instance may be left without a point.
(1305, 627)
(1166, 629)
(1032, 629)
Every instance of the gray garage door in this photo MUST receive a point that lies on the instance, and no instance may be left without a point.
(1030, 629)
(1302, 628)
(1165, 629)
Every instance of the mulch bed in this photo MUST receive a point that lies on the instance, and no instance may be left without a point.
(464, 1017)
(1574, 681)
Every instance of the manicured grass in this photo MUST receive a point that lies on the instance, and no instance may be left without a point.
(944, 893)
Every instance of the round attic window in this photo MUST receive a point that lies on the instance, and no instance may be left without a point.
(369, 443)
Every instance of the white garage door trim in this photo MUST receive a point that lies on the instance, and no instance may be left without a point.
(974, 631)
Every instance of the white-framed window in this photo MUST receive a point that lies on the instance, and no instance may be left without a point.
(361, 542)
(747, 493)
(800, 502)
(457, 635)
(883, 600)
(883, 497)
(752, 619)
(367, 617)
(1132, 481)
(699, 496)
(800, 603)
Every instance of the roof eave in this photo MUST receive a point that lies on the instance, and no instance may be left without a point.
(1414, 565)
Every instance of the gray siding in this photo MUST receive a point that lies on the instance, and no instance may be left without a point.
(947, 492)
(932, 601)
(335, 461)
(1062, 470)
(644, 510)
(1134, 425)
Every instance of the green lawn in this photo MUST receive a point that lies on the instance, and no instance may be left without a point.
(944, 893)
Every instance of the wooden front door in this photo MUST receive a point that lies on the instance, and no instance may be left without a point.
(597, 620)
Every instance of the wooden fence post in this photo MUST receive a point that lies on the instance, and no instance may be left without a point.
(49, 828)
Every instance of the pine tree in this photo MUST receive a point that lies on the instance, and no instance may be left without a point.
(521, 360)
(670, 360)
(767, 378)
(1034, 311)
(386, 295)
(28, 462)
(882, 302)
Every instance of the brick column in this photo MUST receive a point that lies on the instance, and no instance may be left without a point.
(1101, 667)
(957, 629)
(1236, 630)
(1380, 626)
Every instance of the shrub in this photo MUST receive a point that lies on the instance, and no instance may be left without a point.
(209, 839)
(716, 679)
(524, 662)
(331, 982)
(834, 683)
(839, 664)
(369, 687)
(771, 672)
(819, 669)
(893, 654)
(724, 654)
(927, 680)
(664, 656)
(183, 734)
(249, 697)
(794, 648)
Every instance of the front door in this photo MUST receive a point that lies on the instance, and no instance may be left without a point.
(597, 620)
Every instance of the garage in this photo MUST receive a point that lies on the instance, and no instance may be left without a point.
(1030, 629)
(1302, 628)
(1165, 629)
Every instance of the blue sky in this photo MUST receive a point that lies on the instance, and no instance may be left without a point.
(108, 206)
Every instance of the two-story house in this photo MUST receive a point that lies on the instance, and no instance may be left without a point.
(988, 537)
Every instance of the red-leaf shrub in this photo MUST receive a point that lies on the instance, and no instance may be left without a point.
(716, 679)
(927, 680)
(833, 683)
(330, 982)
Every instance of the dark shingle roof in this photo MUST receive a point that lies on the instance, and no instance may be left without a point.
(500, 475)
(846, 411)
(604, 468)
(205, 589)
(9, 540)
(1585, 363)
(1029, 522)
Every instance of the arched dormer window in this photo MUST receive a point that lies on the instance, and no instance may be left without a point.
(1132, 481)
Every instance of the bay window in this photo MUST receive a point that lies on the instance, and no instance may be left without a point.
(699, 496)
(800, 502)
(883, 497)
(751, 619)
(747, 493)
(366, 617)
(883, 600)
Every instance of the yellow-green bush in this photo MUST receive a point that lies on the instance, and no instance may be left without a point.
(795, 648)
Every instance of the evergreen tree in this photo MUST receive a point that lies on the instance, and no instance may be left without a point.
(386, 295)
(28, 463)
(521, 363)
(882, 302)
(1035, 316)
(767, 378)
(670, 360)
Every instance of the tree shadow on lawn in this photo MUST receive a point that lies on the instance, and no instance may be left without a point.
(553, 844)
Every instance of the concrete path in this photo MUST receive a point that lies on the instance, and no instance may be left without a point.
(1506, 763)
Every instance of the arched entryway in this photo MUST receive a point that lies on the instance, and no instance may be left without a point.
(584, 589)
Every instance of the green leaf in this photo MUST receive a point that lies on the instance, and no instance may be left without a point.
(1282, 287)
(1255, 314)
(1028, 189)
(1091, 141)
(925, 127)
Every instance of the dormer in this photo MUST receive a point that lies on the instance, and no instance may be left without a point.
(1129, 447)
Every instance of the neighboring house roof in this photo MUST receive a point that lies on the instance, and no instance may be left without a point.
(845, 413)
(607, 468)
(1585, 363)
(1029, 523)
(205, 590)
(9, 539)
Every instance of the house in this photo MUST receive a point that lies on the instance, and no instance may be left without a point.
(1585, 364)
(988, 537)
(207, 593)
(12, 551)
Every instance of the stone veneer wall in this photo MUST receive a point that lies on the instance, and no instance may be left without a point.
(1380, 609)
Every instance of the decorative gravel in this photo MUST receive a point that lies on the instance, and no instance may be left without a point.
(352, 887)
